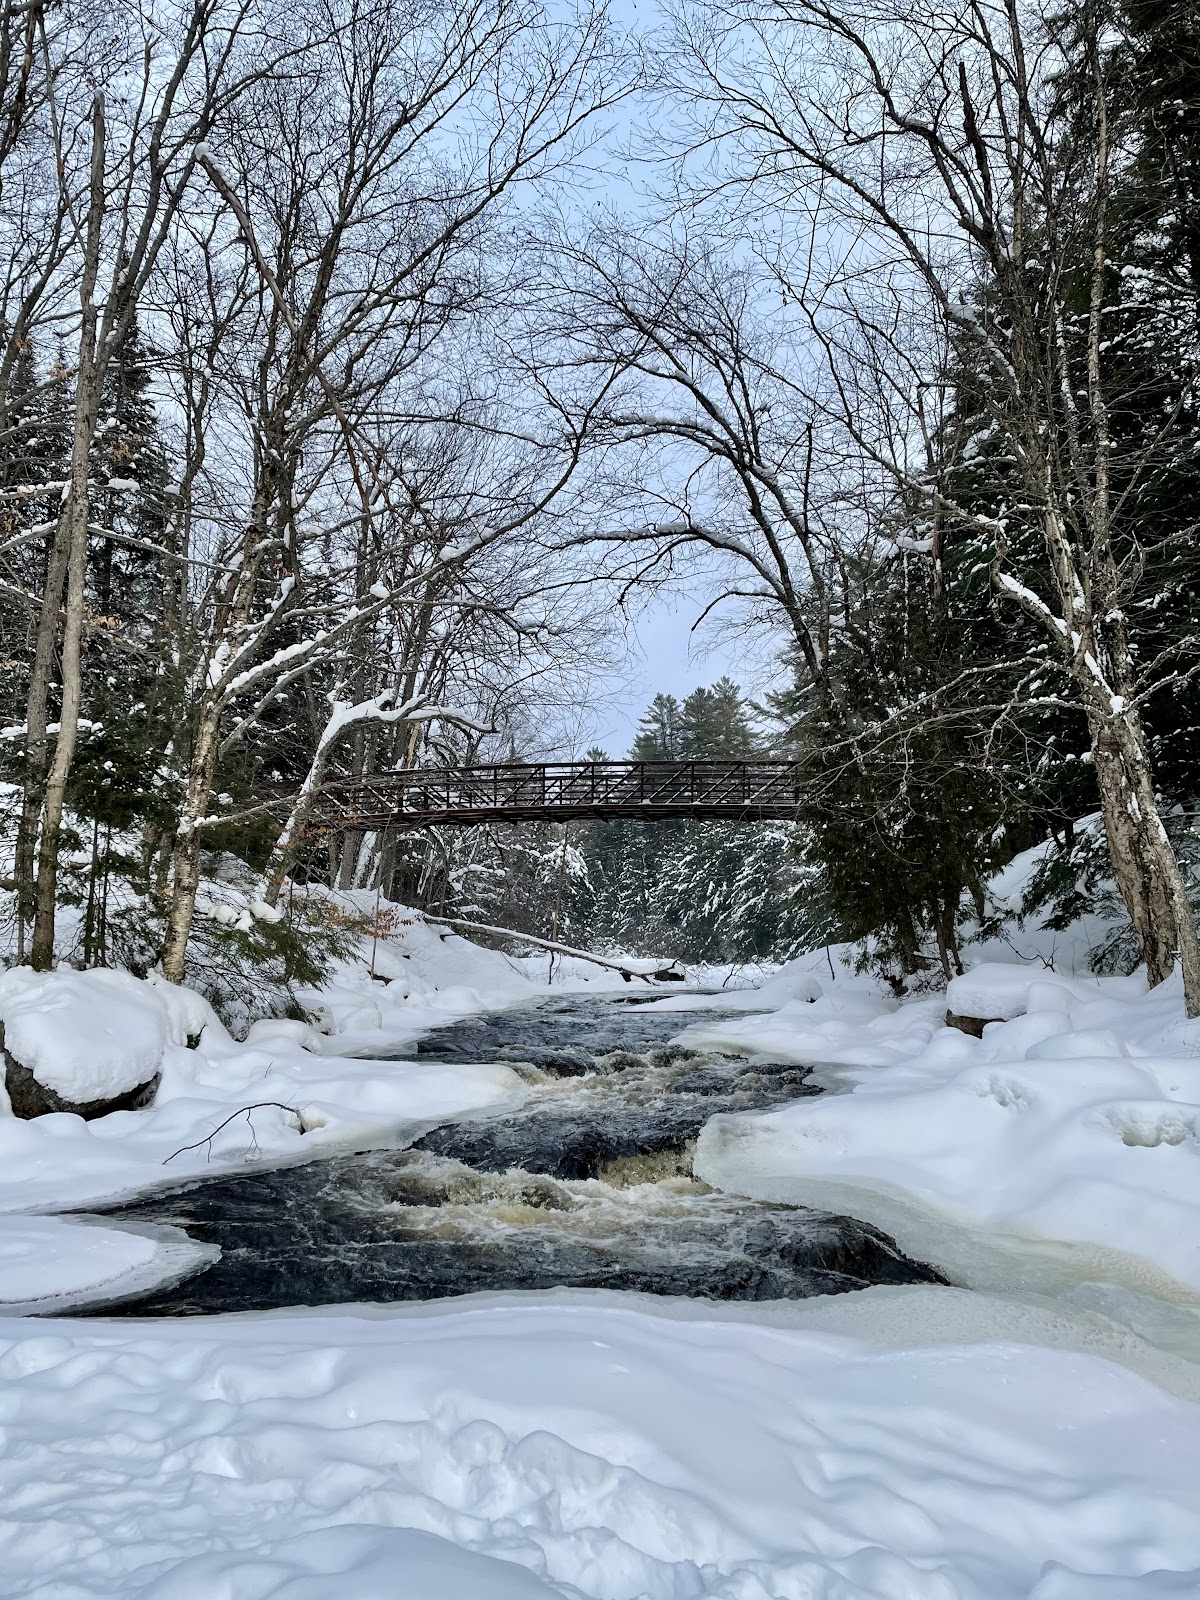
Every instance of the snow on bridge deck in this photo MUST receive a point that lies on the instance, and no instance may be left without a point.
(556, 791)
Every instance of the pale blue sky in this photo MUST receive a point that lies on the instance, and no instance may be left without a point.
(665, 657)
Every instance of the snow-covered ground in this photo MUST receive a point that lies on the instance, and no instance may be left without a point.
(897, 1444)
(1060, 1152)
(424, 974)
(586, 1448)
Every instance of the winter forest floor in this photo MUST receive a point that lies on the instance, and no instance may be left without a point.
(1033, 1431)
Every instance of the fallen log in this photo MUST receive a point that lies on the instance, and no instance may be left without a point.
(668, 974)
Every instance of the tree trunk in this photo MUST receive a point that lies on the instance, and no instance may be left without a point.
(37, 735)
(283, 853)
(74, 527)
(1144, 865)
(185, 858)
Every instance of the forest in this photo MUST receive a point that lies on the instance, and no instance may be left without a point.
(599, 799)
(365, 366)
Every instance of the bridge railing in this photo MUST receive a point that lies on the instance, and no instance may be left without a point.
(529, 791)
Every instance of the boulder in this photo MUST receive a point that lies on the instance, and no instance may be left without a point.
(81, 1042)
(972, 1025)
(29, 1098)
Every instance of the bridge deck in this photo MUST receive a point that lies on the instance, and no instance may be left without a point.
(557, 791)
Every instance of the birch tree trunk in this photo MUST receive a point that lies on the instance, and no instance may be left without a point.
(185, 858)
(72, 538)
(1145, 867)
(284, 848)
(969, 101)
(37, 735)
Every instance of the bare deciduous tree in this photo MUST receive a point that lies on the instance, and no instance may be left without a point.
(358, 191)
(929, 152)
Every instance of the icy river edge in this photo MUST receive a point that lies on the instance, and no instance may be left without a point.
(1047, 1282)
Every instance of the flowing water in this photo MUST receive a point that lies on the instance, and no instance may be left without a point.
(589, 1184)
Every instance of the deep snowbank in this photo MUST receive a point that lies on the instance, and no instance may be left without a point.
(582, 1450)
(416, 964)
(1060, 1149)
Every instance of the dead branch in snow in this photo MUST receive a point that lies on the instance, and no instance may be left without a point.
(242, 1111)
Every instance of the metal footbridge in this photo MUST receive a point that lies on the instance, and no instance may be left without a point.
(560, 791)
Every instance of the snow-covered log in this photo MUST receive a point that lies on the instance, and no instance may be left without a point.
(628, 970)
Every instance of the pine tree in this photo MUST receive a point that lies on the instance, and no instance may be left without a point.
(903, 798)
(697, 890)
(131, 676)
(658, 735)
(129, 672)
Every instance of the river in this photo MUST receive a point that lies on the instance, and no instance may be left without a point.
(588, 1184)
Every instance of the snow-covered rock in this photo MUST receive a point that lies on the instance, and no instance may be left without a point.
(84, 1042)
(189, 1015)
(1001, 990)
(226, 1106)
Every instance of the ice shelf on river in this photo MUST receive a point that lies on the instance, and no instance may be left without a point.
(1056, 1153)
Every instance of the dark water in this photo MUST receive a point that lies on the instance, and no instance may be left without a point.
(589, 1184)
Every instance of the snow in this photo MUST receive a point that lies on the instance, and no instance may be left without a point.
(220, 1106)
(362, 1562)
(1034, 1435)
(45, 1255)
(57, 1261)
(1001, 991)
(581, 1448)
(303, 1105)
(794, 981)
(286, 1093)
(419, 973)
(1036, 1438)
(1057, 1153)
(85, 1035)
(815, 1008)
(850, 1023)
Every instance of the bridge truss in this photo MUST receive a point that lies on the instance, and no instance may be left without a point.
(559, 791)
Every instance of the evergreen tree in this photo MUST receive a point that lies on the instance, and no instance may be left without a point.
(903, 796)
(130, 675)
(696, 890)
(949, 740)
(34, 444)
(658, 735)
